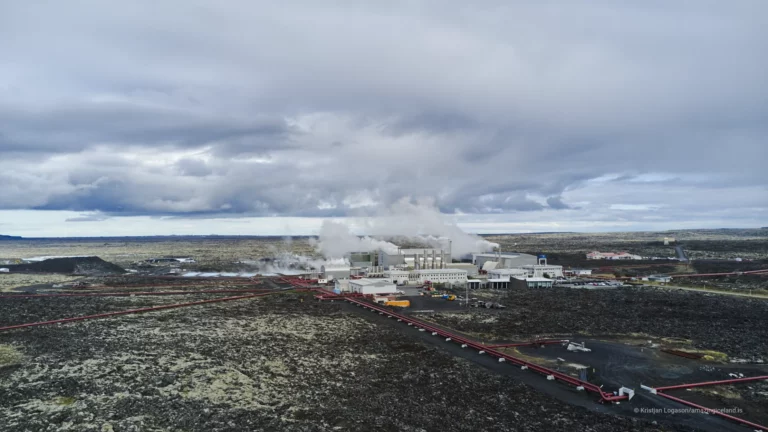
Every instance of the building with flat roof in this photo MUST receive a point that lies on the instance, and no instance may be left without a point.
(444, 276)
(502, 283)
(398, 277)
(506, 273)
(503, 259)
(578, 272)
(372, 286)
(531, 282)
(426, 258)
(471, 269)
(595, 255)
(331, 272)
(544, 270)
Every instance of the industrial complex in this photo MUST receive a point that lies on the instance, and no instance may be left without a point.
(382, 272)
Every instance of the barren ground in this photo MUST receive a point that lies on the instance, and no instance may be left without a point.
(735, 326)
(270, 364)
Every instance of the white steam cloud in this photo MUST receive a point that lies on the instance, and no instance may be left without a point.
(420, 221)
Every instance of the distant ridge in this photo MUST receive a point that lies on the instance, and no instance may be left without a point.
(7, 237)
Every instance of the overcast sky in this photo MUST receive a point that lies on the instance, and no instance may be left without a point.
(250, 117)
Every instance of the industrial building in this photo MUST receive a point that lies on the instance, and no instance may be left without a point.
(506, 273)
(543, 270)
(4, 270)
(372, 286)
(595, 255)
(341, 286)
(335, 272)
(414, 258)
(398, 277)
(531, 282)
(502, 260)
(362, 259)
(577, 272)
(471, 269)
(497, 283)
(444, 276)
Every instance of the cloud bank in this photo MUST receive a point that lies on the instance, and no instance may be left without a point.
(645, 114)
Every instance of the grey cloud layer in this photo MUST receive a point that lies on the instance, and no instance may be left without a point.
(255, 109)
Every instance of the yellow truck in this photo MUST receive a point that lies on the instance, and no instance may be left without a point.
(398, 303)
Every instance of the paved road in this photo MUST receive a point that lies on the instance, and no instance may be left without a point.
(681, 253)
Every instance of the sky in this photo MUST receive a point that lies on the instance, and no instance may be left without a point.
(265, 118)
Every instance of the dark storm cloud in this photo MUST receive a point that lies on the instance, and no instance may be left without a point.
(256, 109)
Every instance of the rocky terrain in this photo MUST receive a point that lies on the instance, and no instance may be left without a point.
(735, 326)
(276, 363)
(91, 265)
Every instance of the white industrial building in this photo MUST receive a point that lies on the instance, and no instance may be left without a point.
(372, 286)
(335, 272)
(341, 285)
(414, 258)
(398, 277)
(471, 269)
(595, 255)
(4, 270)
(506, 273)
(444, 276)
(501, 260)
(544, 270)
(578, 272)
(531, 282)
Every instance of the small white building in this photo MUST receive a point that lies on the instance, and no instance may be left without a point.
(442, 276)
(506, 273)
(341, 285)
(578, 272)
(372, 286)
(595, 255)
(544, 270)
(531, 282)
(335, 272)
(4, 270)
(399, 277)
(660, 278)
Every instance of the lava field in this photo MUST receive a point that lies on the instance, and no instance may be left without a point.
(281, 362)
(732, 325)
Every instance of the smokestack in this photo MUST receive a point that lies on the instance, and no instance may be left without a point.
(433, 259)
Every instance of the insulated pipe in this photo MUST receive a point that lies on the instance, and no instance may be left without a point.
(134, 311)
(710, 383)
(128, 293)
(174, 285)
(715, 412)
(542, 342)
(721, 274)
(607, 397)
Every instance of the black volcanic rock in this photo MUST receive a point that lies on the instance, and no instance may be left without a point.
(74, 265)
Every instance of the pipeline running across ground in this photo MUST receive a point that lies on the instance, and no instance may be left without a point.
(142, 310)
(133, 293)
(551, 374)
(660, 391)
